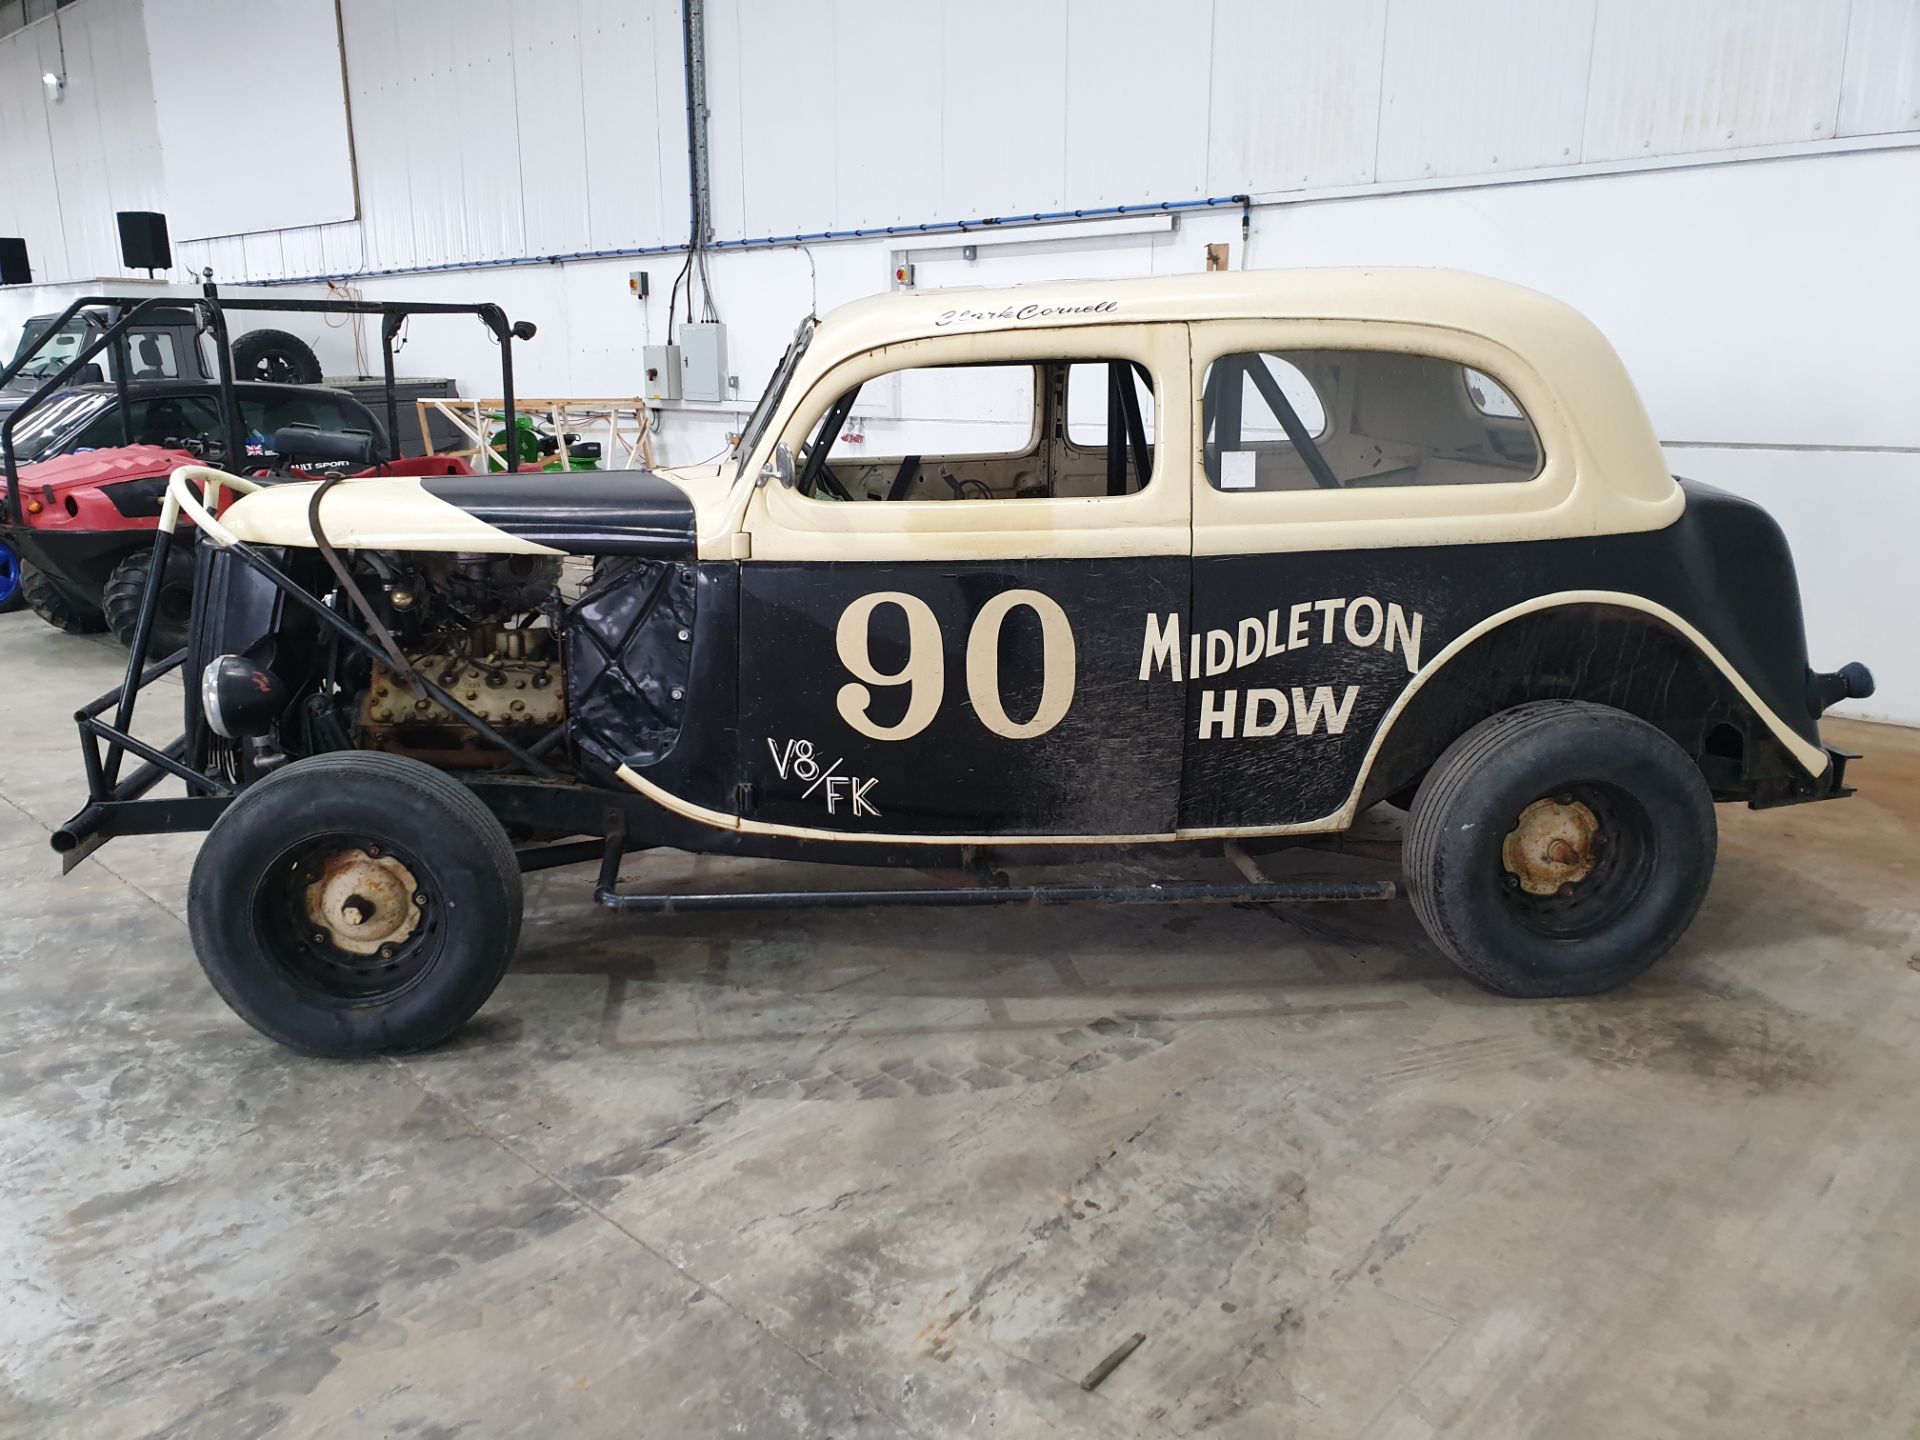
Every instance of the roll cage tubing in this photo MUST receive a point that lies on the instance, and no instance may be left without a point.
(211, 306)
(107, 794)
(1223, 402)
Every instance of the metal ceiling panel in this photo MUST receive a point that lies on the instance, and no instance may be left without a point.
(377, 38)
(1115, 50)
(1003, 103)
(889, 157)
(490, 204)
(1880, 91)
(627, 125)
(1680, 79)
(784, 68)
(1481, 86)
(1295, 94)
(551, 125)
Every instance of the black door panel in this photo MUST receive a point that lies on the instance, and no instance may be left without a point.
(986, 741)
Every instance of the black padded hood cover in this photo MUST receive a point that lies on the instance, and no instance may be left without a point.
(583, 512)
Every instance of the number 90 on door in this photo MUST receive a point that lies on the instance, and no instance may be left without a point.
(924, 669)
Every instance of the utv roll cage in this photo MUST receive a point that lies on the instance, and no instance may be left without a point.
(116, 805)
(211, 307)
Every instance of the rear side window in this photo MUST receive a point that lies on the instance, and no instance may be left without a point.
(1360, 419)
(151, 357)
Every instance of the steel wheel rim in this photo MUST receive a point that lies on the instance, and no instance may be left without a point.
(1576, 860)
(325, 955)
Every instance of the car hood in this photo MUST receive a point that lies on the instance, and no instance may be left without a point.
(621, 512)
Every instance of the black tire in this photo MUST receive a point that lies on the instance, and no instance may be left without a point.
(277, 356)
(281, 851)
(120, 601)
(1559, 848)
(55, 606)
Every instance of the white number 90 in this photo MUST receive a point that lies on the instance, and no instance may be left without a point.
(924, 672)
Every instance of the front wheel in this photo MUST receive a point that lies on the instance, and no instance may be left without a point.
(1559, 848)
(355, 902)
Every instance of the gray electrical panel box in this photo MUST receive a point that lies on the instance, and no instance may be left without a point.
(703, 355)
(663, 371)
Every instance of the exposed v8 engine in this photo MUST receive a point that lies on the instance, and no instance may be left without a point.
(480, 627)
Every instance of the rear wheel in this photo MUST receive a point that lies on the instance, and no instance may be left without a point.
(355, 902)
(55, 606)
(1559, 848)
(173, 612)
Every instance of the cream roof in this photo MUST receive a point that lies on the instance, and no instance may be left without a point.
(1452, 298)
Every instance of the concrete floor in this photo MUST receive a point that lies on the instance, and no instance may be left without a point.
(871, 1174)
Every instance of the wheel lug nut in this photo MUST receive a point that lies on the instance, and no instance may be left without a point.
(1566, 891)
(421, 898)
(319, 938)
(387, 952)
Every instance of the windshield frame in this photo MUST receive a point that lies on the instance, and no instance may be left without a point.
(770, 398)
(48, 362)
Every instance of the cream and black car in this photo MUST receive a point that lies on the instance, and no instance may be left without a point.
(1198, 566)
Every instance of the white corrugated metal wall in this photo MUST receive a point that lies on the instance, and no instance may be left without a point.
(67, 164)
(497, 129)
(1575, 145)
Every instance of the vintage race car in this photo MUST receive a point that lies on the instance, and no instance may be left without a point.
(1206, 564)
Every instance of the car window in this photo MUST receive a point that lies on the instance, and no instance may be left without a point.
(158, 421)
(1089, 390)
(150, 356)
(1010, 431)
(1360, 419)
(1489, 396)
(265, 414)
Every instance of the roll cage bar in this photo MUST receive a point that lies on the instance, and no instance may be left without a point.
(116, 806)
(211, 307)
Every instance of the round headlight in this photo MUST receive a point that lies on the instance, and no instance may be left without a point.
(239, 698)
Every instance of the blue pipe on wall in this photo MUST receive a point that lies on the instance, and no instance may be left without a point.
(817, 237)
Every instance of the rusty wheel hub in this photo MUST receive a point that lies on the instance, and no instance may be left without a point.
(1553, 846)
(362, 902)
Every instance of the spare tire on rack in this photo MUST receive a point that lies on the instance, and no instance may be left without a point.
(277, 356)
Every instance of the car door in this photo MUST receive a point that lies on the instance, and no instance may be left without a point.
(955, 649)
(1341, 465)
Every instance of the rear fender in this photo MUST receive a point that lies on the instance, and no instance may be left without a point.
(1615, 655)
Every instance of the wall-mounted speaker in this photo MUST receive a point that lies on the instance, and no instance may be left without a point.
(143, 240)
(14, 269)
